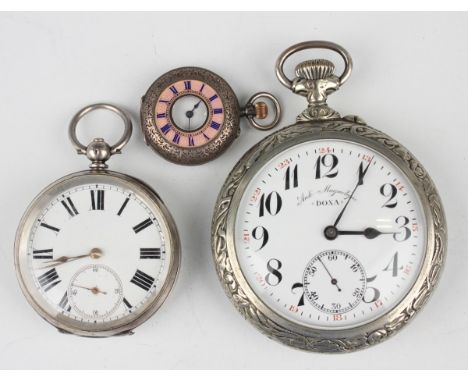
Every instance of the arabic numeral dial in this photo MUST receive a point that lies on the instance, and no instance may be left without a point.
(330, 234)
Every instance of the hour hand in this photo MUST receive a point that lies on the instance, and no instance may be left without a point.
(331, 233)
(95, 253)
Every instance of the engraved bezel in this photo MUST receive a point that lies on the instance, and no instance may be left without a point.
(228, 131)
(60, 321)
(267, 320)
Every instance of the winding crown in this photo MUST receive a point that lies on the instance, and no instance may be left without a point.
(315, 69)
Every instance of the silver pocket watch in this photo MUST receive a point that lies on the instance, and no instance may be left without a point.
(328, 235)
(97, 252)
(191, 115)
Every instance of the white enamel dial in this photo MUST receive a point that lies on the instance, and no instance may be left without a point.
(330, 234)
(96, 254)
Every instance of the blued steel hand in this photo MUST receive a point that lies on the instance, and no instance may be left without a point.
(189, 114)
(196, 105)
(361, 174)
(333, 280)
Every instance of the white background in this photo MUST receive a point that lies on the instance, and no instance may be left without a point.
(409, 80)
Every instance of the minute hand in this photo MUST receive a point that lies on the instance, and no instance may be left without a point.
(95, 253)
(361, 173)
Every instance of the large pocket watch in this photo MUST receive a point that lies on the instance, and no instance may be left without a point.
(328, 235)
(97, 251)
(191, 115)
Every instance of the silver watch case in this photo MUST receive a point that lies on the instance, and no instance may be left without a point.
(60, 321)
(252, 307)
(228, 131)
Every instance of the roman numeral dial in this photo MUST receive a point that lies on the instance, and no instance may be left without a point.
(193, 114)
(97, 253)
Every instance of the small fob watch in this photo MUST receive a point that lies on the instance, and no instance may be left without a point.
(97, 252)
(328, 235)
(191, 115)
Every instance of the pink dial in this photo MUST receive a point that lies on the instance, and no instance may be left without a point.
(189, 113)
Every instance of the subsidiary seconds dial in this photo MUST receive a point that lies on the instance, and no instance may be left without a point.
(95, 291)
(334, 282)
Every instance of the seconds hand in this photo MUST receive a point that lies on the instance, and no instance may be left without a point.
(333, 280)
